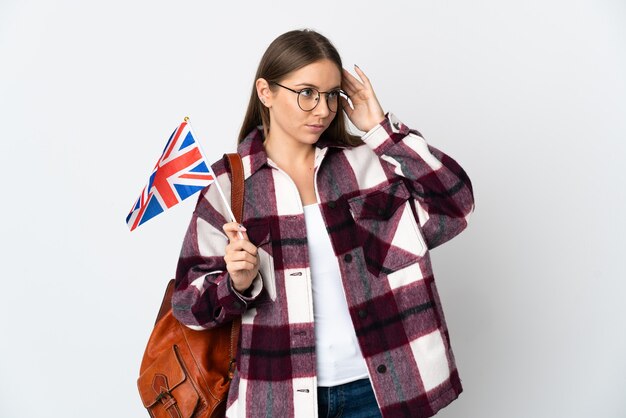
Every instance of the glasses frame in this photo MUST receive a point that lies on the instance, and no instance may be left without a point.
(319, 94)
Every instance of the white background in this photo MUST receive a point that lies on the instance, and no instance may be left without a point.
(528, 96)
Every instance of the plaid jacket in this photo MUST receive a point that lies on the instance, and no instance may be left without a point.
(385, 205)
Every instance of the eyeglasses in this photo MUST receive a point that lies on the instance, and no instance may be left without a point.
(309, 97)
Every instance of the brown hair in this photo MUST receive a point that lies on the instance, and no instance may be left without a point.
(289, 52)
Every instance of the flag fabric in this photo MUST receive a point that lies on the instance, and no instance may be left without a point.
(180, 172)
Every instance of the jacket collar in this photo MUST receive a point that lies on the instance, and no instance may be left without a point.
(254, 156)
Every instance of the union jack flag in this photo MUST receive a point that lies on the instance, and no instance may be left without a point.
(180, 172)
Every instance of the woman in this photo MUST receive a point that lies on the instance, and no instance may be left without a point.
(332, 278)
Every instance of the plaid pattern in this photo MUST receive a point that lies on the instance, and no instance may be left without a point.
(385, 204)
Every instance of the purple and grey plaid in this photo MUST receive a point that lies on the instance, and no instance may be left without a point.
(385, 204)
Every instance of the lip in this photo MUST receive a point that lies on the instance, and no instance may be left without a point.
(316, 128)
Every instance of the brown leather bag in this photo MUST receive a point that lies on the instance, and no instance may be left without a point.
(186, 373)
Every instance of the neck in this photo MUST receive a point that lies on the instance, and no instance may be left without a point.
(289, 153)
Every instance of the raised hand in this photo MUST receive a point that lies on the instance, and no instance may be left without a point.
(365, 112)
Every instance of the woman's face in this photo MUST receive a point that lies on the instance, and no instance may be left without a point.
(287, 119)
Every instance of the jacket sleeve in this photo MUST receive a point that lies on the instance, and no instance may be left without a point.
(440, 187)
(204, 296)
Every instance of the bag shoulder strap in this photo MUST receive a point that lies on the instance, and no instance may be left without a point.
(236, 198)
(236, 191)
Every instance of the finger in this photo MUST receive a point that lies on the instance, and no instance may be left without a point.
(236, 266)
(366, 80)
(351, 81)
(233, 227)
(232, 230)
(350, 89)
(350, 77)
(242, 245)
(238, 256)
(356, 92)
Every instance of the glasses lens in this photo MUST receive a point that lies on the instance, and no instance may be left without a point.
(307, 99)
(332, 99)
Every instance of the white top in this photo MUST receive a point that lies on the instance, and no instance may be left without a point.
(339, 358)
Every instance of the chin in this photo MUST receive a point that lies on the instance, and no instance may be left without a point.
(316, 138)
(311, 138)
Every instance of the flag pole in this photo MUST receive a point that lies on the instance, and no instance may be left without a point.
(217, 184)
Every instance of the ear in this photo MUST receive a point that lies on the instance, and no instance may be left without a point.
(264, 92)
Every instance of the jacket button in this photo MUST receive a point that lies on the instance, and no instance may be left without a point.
(238, 305)
(381, 369)
(332, 204)
(347, 258)
(362, 313)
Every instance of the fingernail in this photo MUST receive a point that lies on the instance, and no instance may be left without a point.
(242, 228)
(357, 66)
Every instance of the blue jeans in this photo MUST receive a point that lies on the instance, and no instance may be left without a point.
(351, 400)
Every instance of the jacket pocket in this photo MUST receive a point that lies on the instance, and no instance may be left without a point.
(260, 235)
(387, 229)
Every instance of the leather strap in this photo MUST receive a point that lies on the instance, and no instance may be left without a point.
(162, 390)
(236, 191)
(166, 304)
(236, 198)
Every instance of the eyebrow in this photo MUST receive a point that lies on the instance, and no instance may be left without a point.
(314, 86)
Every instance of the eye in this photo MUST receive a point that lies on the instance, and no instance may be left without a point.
(334, 95)
(306, 92)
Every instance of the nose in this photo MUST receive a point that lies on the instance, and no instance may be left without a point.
(322, 110)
